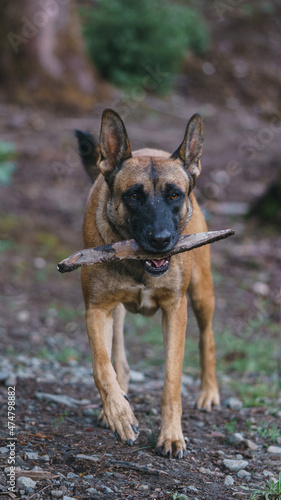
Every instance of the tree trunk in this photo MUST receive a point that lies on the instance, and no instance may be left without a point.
(42, 54)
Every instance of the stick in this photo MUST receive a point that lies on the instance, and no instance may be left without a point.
(129, 249)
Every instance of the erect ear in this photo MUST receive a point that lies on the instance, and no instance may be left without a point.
(190, 150)
(114, 142)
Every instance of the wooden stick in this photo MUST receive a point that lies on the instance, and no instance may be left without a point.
(129, 249)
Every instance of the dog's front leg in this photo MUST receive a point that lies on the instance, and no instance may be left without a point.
(171, 441)
(116, 408)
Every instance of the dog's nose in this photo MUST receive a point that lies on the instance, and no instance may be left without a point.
(160, 240)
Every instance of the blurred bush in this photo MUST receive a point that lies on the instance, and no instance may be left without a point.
(7, 166)
(142, 43)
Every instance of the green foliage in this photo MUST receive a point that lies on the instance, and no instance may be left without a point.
(270, 492)
(5, 245)
(231, 426)
(256, 394)
(248, 353)
(63, 355)
(179, 496)
(7, 167)
(142, 43)
(268, 431)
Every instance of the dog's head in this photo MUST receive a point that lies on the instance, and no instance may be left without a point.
(149, 195)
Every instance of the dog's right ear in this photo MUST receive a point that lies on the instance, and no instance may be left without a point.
(114, 143)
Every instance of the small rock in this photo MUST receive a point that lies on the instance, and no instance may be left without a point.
(235, 465)
(193, 489)
(25, 483)
(11, 381)
(261, 288)
(32, 455)
(233, 403)
(36, 468)
(268, 473)
(196, 441)
(136, 376)
(89, 412)
(46, 458)
(199, 423)
(71, 475)
(239, 457)
(243, 473)
(229, 481)
(4, 450)
(57, 493)
(106, 489)
(251, 445)
(92, 491)
(65, 497)
(187, 379)
(61, 399)
(93, 458)
(88, 477)
(184, 391)
(278, 440)
(23, 316)
(39, 263)
(274, 450)
(144, 487)
(236, 438)
(4, 375)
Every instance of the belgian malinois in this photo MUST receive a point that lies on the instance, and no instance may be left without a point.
(146, 195)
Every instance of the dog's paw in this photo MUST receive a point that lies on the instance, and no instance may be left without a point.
(121, 419)
(208, 398)
(171, 445)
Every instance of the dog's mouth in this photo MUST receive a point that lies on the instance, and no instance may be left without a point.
(156, 267)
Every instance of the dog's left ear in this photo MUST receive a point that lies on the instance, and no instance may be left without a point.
(190, 150)
(114, 142)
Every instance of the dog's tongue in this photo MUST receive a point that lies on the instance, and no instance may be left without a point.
(159, 263)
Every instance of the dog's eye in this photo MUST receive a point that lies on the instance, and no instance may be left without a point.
(174, 196)
(134, 196)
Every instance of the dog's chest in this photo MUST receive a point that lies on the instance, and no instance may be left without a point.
(141, 300)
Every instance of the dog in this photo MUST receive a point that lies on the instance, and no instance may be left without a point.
(146, 195)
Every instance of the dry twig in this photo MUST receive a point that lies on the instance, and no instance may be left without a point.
(129, 249)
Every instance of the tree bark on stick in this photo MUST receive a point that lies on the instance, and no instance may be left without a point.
(129, 249)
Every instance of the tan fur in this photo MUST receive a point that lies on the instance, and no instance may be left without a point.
(110, 287)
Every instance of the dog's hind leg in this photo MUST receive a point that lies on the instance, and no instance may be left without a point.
(201, 294)
(120, 362)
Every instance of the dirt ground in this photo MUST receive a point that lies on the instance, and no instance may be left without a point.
(44, 344)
